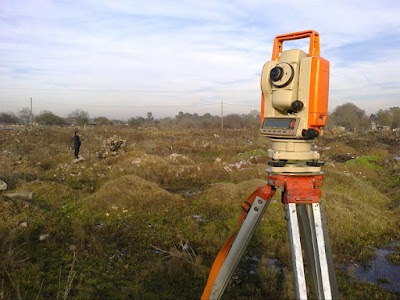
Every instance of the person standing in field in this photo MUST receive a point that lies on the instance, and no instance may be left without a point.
(77, 144)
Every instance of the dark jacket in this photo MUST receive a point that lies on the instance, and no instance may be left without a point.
(77, 141)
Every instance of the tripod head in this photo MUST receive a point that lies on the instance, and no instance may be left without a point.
(294, 101)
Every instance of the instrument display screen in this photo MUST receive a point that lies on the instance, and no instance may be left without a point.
(283, 123)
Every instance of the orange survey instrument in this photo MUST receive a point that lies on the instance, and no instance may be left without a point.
(294, 107)
(295, 86)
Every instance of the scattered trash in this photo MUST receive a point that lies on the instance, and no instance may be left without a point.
(197, 218)
(241, 164)
(228, 170)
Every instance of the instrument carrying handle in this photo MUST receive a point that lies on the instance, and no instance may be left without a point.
(314, 42)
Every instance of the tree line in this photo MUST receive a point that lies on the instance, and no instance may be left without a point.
(351, 117)
(182, 120)
(347, 115)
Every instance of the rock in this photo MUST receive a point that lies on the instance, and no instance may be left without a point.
(23, 224)
(3, 185)
(217, 160)
(43, 237)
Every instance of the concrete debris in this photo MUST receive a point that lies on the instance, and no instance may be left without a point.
(3, 185)
(23, 195)
(76, 160)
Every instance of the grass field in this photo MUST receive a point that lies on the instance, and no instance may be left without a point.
(146, 220)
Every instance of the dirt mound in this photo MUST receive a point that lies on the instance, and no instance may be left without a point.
(339, 151)
(130, 194)
(155, 168)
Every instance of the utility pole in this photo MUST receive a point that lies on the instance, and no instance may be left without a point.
(222, 116)
(31, 113)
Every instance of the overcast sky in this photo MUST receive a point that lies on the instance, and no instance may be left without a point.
(125, 58)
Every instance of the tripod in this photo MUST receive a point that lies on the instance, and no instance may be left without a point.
(302, 199)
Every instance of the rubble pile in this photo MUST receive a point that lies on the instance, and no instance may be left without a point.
(112, 147)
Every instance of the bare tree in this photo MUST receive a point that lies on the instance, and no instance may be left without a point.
(25, 116)
(8, 118)
(79, 117)
(350, 116)
(49, 118)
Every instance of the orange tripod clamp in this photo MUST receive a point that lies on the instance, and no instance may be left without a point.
(303, 189)
(279, 39)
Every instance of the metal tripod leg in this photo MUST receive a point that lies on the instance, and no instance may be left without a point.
(296, 252)
(239, 246)
(317, 251)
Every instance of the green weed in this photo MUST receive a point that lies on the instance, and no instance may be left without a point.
(371, 161)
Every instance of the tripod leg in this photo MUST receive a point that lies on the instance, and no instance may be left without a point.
(307, 232)
(317, 251)
(230, 255)
(331, 266)
(319, 234)
(239, 246)
(296, 251)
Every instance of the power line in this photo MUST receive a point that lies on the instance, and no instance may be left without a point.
(246, 105)
(127, 91)
(127, 106)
